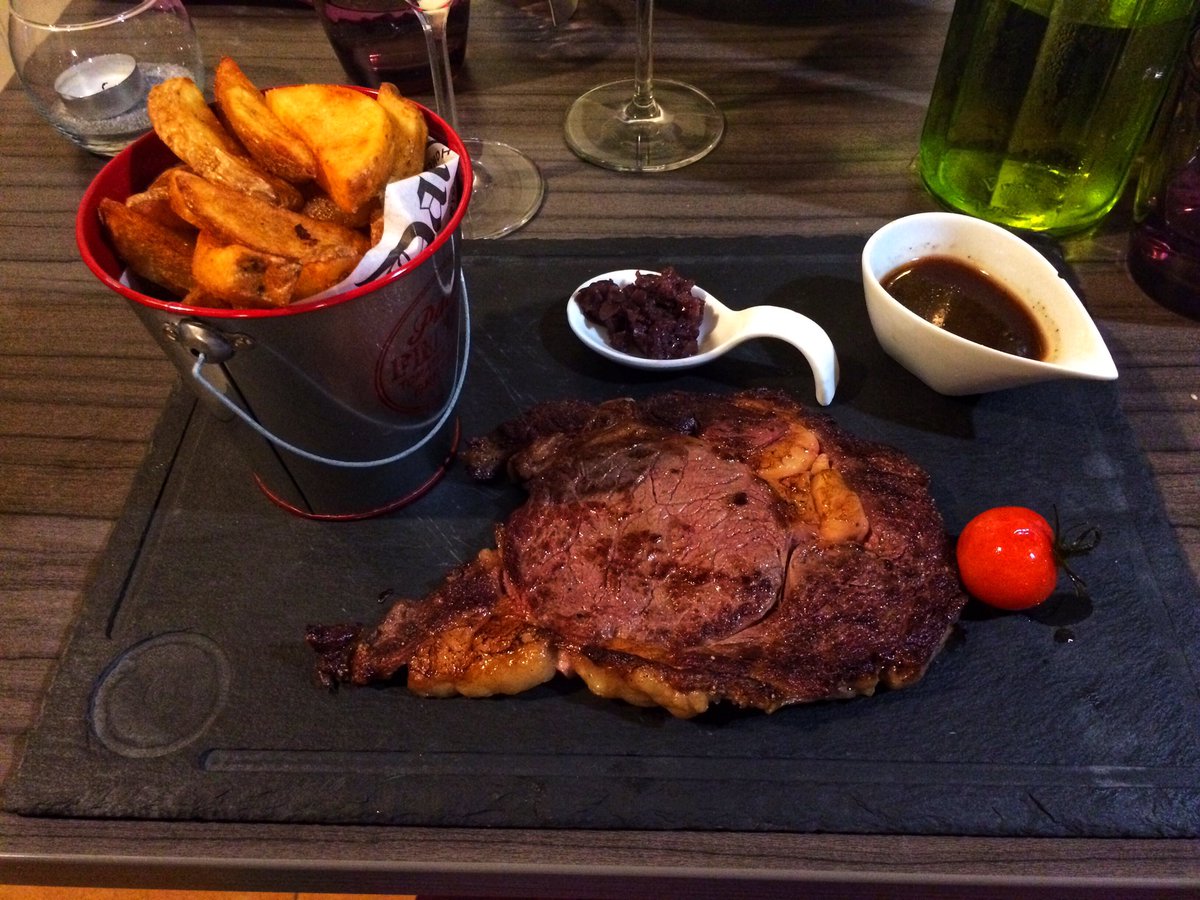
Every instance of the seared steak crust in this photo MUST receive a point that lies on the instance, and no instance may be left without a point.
(681, 550)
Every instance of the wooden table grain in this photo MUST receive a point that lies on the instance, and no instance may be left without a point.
(824, 102)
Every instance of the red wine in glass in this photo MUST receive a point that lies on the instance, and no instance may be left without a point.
(382, 40)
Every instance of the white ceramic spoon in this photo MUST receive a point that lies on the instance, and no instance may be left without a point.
(721, 330)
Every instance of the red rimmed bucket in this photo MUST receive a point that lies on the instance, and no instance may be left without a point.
(343, 407)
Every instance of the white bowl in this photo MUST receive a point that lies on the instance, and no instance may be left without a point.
(954, 365)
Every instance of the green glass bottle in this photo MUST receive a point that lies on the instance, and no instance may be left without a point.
(1040, 106)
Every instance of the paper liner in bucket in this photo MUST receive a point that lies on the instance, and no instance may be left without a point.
(342, 405)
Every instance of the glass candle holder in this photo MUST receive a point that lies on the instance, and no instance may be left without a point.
(89, 69)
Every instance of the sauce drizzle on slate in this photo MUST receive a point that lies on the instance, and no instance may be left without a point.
(967, 302)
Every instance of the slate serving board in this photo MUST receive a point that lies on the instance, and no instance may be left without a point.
(186, 690)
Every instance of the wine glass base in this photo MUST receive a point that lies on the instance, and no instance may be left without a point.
(507, 191)
(601, 129)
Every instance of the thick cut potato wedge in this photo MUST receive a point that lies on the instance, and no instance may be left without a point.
(241, 276)
(319, 206)
(412, 131)
(157, 253)
(350, 134)
(155, 203)
(273, 146)
(322, 274)
(273, 196)
(236, 218)
(377, 225)
(201, 297)
(184, 122)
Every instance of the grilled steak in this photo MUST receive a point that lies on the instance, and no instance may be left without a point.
(680, 550)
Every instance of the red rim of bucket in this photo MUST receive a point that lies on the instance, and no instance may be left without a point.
(391, 506)
(136, 166)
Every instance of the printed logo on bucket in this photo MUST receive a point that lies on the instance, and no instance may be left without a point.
(416, 366)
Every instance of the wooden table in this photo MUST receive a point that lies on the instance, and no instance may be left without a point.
(824, 103)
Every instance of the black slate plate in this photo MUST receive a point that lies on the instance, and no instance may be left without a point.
(186, 691)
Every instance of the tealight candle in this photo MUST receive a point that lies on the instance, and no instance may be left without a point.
(101, 87)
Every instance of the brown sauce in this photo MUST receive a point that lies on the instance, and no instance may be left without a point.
(967, 302)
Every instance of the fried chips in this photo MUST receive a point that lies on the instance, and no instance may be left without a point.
(276, 196)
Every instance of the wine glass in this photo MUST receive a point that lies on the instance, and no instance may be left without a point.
(507, 189)
(643, 125)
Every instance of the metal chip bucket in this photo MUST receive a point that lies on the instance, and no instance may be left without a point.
(343, 407)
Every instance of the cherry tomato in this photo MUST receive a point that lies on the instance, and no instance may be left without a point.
(1007, 557)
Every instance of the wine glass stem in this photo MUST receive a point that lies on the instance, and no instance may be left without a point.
(643, 105)
(433, 16)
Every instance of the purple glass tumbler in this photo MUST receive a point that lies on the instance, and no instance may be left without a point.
(1164, 248)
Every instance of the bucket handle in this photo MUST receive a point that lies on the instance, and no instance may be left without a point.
(219, 396)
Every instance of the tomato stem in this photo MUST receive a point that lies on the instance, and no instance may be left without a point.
(1083, 541)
